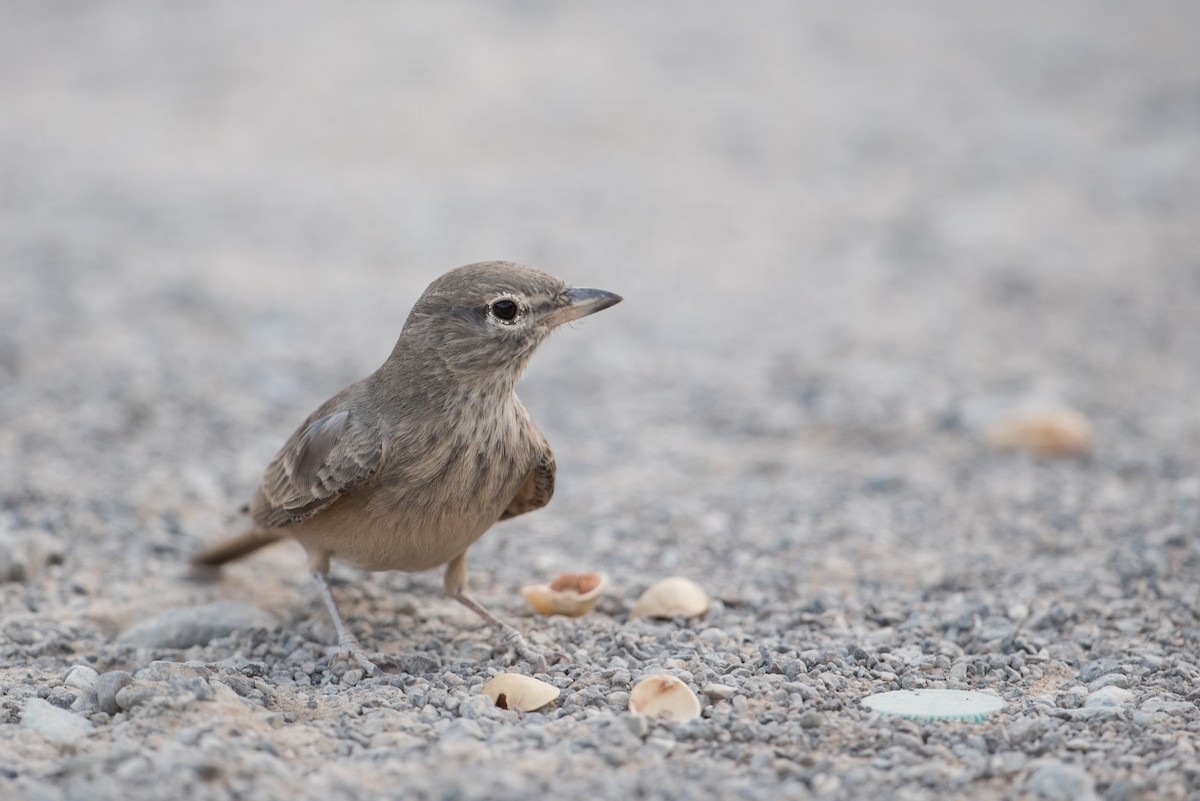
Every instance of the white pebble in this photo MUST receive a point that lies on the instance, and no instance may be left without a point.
(82, 677)
(1109, 696)
(53, 724)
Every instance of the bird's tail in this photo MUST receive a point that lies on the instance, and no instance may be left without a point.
(236, 548)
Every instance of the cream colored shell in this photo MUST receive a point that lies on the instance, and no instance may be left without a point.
(664, 697)
(1047, 432)
(523, 693)
(571, 594)
(672, 597)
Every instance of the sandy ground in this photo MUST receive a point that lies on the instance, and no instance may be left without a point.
(850, 236)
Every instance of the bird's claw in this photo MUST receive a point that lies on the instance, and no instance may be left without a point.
(538, 659)
(351, 651)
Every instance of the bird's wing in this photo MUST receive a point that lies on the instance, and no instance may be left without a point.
(322, 460)
(537, 488)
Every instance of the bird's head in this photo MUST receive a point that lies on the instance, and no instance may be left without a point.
(488, 318)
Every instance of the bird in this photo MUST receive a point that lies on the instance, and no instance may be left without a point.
(407, 468)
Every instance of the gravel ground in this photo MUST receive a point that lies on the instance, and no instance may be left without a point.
(849, 236)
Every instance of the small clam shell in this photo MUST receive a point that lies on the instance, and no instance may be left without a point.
(571, 594)
(1044, 432)
(523, 693)
(665, 697)
(672, 597)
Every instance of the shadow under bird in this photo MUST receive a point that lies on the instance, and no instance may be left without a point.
(408, 467)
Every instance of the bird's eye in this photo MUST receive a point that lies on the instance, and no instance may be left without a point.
(505, 309)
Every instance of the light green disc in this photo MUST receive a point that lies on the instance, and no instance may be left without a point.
(935, 704)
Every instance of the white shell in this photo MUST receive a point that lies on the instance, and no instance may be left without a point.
(671, 597)
(523, 693)
(571, 594)
(665, 697)
(1044, 432)
(935, 704)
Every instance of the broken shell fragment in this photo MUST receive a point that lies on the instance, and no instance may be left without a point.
(522, 693)
(664, 697)
(571, 594)
(672, 597)
(1052, 432)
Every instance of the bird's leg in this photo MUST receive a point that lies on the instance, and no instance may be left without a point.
(347, 642)
(456, 586)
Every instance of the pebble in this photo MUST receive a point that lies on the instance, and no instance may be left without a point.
(1072, 697)
(1169, 706)
(1109, 696)
(54, 725)
(14, 558)
(82, 677)
(164, 670)
(107, 687)
(476, 706)
(137, 693)
(1052, 780)
(1005, 762)
(187, 626)
(718, 692)
(810, 719)
(1109, 680)
(638, 725)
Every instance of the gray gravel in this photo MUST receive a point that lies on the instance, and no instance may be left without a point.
(848, 236)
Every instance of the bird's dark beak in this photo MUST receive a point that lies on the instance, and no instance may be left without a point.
(581, 303)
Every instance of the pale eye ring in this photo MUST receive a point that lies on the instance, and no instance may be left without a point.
(505, 309)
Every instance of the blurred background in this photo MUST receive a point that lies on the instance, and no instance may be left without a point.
(845, 234)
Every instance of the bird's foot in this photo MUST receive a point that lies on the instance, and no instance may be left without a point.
(509, 637)
(540, 660)
(348, 650)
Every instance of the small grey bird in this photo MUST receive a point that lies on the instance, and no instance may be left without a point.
(405, 469)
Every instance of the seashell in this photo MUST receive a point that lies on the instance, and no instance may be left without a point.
(1044, 432)
(664, 697)
(672, 597)
(522, 693)
(571, 594)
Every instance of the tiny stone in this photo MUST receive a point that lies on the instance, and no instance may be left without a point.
(107, 687)
(82, 677)
(1008, 762)
(353, 677)
(466, 727)
(475, 706)
(14, 558)
(1109, 680)
(1057, 781)
(1152, 705)
(621, 677)
(811, 719)
(719, 692)
(1071, 698)
(136, 694)
(53, 724)
(1094, 670)
(1108, 696)
(639, 725)
(165, 670)
(1027, 729)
